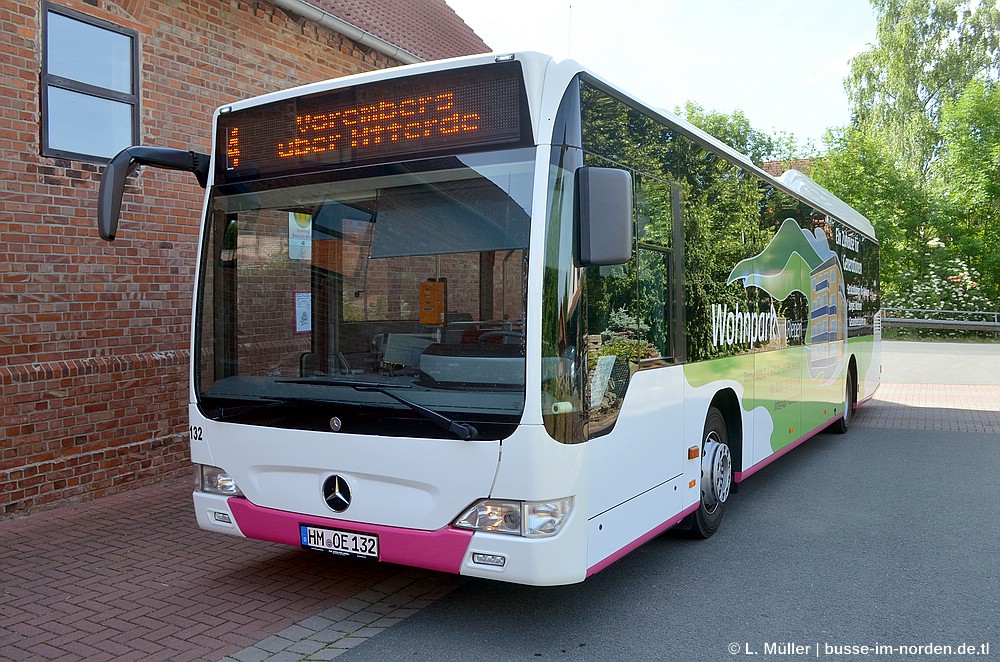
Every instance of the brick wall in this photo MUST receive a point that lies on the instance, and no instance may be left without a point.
(94, 336)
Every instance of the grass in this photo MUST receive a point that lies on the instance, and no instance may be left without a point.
(941, 335)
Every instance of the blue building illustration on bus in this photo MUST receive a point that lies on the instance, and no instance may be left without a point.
(827, 319)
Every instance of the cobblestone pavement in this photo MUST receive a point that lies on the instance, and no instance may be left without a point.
(952, 407)
(132, 576)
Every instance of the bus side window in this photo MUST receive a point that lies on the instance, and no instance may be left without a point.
(629, 307)
(654, 218)
(654, 304)
(613, 340)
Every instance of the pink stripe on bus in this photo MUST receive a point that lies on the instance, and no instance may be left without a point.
(641, 540)
(441, 550)
(738, 476)
(864, 400)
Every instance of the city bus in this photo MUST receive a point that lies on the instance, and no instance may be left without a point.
(494, 316)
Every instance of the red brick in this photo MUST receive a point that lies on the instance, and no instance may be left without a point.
(94, 337)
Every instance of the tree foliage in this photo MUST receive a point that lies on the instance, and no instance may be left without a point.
(861, 170)
(927, 52)
(967, 180)
(735, 130)
(921, 158)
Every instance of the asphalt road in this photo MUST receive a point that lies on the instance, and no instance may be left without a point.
(910, 362)
(882, 537)
(878, 538)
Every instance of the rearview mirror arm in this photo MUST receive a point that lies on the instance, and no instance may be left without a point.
(109, 198)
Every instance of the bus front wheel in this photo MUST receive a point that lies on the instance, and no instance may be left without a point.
(716, 476)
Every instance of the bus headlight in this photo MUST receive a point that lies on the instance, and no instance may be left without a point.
(531, 519)
(215, 480)
(545, 518)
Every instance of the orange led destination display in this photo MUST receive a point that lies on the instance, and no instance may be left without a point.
(233, 147)
(391, 121)
(451, 111)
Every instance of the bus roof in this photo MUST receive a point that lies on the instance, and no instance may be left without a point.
(792, 181)
(536, 64)
(810, 190)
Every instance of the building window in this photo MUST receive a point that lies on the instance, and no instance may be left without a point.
(90, 101)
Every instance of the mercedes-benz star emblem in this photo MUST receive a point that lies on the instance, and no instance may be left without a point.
(337, 493)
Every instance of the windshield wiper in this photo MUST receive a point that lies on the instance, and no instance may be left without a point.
(226, 412)
(463, 431)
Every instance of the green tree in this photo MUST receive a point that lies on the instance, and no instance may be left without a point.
(735, 130)
(945, 283)
(861, 170)
(927, 52)
(967, 178)
(916, 158)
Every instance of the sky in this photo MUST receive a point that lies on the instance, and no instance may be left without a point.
(782, 62)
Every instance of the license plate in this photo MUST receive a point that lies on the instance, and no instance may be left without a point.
(345, 543)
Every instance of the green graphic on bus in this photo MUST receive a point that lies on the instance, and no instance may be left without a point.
(798, 260)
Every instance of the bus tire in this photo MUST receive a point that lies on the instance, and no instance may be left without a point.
(716, 476)
(843, 424)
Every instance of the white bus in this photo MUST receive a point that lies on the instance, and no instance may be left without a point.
(493, 316)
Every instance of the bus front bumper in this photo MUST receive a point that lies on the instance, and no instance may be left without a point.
(442, 550)
(546, 561)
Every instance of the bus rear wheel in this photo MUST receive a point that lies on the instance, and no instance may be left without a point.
(842, 424)
(716, 476)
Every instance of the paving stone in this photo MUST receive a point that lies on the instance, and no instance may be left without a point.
(327, 653)
(337, 613)
(306, 647)
(83, 580)
(349, 642)
(354, 605)
(251, 654)
(368, 596)
(386, 622)
(331, 634)
(285, 656)
(274, 644)
(364, 617)
(295, 632)
(315, 623)
(367, 632)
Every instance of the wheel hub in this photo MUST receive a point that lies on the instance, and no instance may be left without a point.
(716, 472)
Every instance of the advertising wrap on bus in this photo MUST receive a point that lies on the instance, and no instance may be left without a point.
(814, 352)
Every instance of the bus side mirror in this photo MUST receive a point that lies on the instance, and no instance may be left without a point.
(109, 198)
(604, 216)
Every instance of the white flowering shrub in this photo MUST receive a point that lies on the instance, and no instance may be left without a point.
(945, 284)
(949, 284)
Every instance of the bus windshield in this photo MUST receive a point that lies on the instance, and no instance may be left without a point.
(350, 300)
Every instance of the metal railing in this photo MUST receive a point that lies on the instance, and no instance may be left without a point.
(949, 320)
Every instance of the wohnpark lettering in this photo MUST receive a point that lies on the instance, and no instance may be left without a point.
(742, 327)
